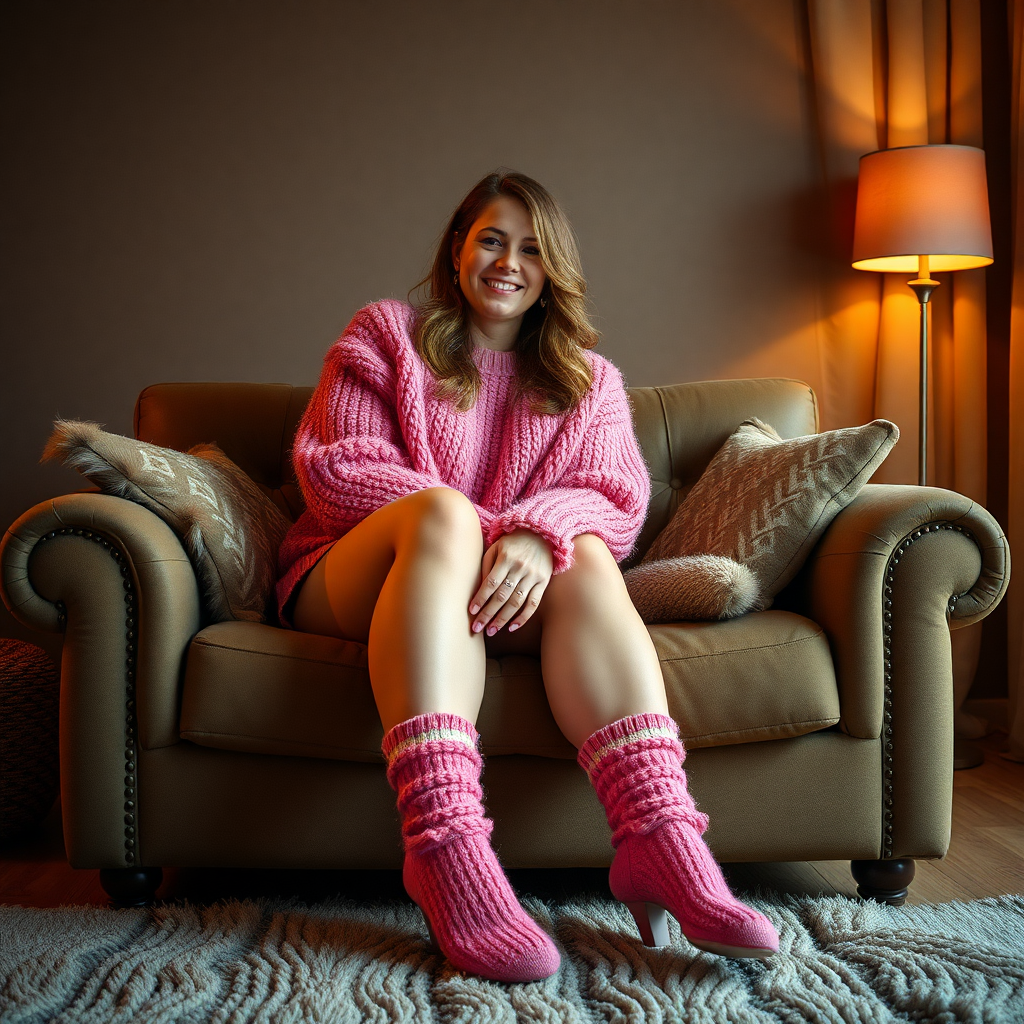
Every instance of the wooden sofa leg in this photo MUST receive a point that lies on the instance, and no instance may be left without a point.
(131, 887)
(883, 880)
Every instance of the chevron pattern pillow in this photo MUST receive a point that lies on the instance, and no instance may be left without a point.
(764, 501)
(229, 527)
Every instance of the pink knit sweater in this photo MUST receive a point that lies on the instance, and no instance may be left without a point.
(374, 432)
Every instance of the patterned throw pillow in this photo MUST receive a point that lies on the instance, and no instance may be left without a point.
(230, 529)
(764, 501)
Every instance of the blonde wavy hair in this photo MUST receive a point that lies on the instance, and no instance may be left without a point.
(551, 368)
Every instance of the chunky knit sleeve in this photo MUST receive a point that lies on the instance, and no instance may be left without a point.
(605, 490)
(349, 455)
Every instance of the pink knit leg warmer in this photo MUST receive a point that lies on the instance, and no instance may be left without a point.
(661, 862)
(450, 869)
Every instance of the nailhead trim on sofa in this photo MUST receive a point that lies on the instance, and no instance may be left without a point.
(130, 746)
(887, 737)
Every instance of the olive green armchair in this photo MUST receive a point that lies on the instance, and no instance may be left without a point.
(819, 729)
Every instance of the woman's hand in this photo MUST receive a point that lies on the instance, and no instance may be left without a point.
(514, 575)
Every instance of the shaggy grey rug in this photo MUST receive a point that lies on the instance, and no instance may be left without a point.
(338, 961)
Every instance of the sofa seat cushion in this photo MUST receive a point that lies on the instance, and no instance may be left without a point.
(764, 676)
(255, 688)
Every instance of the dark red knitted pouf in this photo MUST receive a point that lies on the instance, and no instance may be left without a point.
(29, 766)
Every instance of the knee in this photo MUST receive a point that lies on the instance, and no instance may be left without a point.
(445, 518)
(594, 574)
(591, 555)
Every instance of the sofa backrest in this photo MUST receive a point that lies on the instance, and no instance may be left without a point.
(253, 424)
(679, 426)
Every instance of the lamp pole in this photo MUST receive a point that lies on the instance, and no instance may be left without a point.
(923, 287)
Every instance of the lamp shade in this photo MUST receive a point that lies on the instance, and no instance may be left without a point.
(922, 201)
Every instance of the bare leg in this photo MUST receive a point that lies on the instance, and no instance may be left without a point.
(598, 660)
(600, 666)
(401, 582)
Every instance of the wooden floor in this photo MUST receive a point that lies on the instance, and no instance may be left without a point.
(986, 858)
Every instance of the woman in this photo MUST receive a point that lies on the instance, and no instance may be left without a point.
(471, 465)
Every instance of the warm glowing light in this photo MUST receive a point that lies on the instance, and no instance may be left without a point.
(922, 201)
(907, 263)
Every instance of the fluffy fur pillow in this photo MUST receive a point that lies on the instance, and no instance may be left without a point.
(691, 587)
(765, 502)
(230, 529)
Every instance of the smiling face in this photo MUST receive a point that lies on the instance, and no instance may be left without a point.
(500, 270)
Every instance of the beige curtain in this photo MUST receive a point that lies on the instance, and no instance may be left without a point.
(1015, 529)
(888, 73)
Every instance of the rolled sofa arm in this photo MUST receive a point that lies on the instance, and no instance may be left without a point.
(115, 578)
(895, 571)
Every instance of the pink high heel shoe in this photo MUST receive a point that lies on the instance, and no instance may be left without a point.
(662, 864)
(746, 934)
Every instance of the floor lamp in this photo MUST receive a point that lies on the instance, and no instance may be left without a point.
(924, 210)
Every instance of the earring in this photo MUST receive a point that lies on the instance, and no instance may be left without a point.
(543, 303)
(455, 278)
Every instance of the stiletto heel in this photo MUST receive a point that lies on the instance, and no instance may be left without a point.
(652, 920)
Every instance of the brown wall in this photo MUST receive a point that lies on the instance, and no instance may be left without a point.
(208, 191)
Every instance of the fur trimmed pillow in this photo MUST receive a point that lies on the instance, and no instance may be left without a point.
(765, 501)
(229, 527)
(691, 587)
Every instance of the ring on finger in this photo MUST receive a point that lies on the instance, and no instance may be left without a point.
(508, 584)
